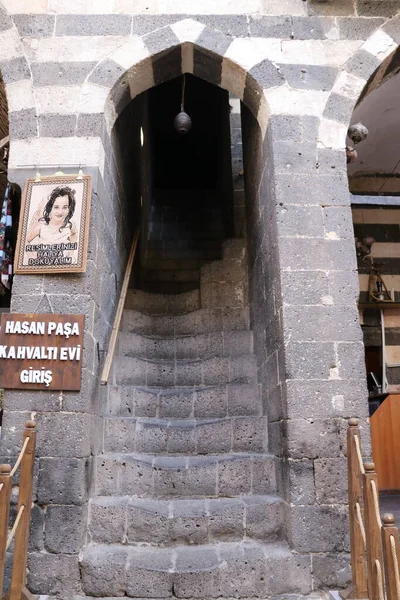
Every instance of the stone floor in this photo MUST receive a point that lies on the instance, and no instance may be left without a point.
(390, 503)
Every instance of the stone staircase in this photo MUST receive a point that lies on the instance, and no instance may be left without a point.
(186, 500)
(185, 231)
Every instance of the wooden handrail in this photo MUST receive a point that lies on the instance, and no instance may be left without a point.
(391, 555)
(21, 526)
(5, 495)
(373, 528)
(18, 575)
(355, 471)
(118, 315)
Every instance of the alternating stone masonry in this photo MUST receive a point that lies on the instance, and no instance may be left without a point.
(200, 493)
(70, 69)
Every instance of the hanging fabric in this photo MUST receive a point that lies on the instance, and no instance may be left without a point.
(6, 241)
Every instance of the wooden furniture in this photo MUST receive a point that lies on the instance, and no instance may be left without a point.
(385, 436)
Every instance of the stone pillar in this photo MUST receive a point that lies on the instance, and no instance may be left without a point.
(67, 422)
(322, 366)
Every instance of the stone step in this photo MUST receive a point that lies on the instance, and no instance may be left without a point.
(195, 322)
(174, 233)
(227, 570)
(212, 251)
(177, 276)
(233, 399)
(165, 373)
(172, 265)
(169, 288)
(234, 248)
(201, 346)
(127, 520)
(185, 436)
(162, 304)
(160, 476)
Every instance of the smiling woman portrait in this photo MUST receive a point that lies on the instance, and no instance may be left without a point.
(53, 231)
(52, 223)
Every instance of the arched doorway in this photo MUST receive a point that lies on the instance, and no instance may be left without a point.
(306, 332)
(200, 363)
(374, 184)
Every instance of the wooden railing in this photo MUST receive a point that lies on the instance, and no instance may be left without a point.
(105, 374)
(374, 542)
(20, 530)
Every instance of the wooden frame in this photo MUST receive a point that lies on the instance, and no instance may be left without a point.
(53, 230)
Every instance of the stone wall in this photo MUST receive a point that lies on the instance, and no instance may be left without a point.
(68, 77)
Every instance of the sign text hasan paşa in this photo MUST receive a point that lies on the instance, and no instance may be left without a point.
(41, 351)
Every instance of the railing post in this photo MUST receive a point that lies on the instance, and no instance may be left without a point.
(357, 548)
(391, 556)
(373, 532)
(24, 499)
(5, 494)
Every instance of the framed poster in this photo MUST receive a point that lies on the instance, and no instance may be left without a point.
(54, 225)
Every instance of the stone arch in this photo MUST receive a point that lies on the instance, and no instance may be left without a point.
(375, 61)
(191, 47)
(187, 46)
(17, 79)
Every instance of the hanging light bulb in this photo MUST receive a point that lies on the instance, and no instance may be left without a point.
(182, 121)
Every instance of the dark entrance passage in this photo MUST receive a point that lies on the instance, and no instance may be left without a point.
(186, 184)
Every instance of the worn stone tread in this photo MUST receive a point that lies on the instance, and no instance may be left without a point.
(130, 520)
(198, 346)
(203, 320)
(241, 570)
(171, 476)
(167, 373)
(162, 304)
(231, 399)
(185, 436)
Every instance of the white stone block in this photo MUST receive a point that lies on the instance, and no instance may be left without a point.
(55, 152)
(284, 7)
(131, 52)
(15, 7)
(380, 44)
(10, 44)
(332, 134)
(205, 7)
(102, 160)
(74, 48)
(235, 103)
(136, 6)
(110, 116)
(247, 52)
(318, 52)
(20, 95)
(92, 98)
(233, 78)
(187, 30)
(263, 116)
(62, 100)
(385, 250)
(348, 85)
(81, 7)
(285, 101)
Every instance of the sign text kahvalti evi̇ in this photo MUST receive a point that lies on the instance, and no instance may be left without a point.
(41, 351)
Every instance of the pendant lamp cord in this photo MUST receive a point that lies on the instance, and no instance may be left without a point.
(183, 94)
